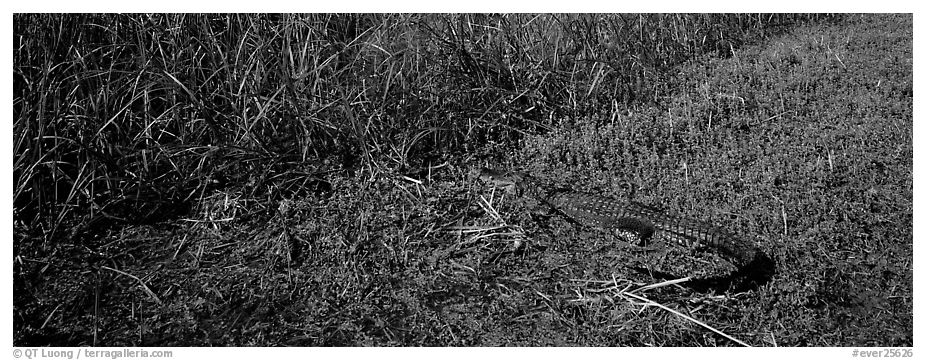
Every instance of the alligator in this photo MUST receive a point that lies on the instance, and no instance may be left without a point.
(638, 223)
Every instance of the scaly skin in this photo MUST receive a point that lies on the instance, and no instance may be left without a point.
(618, 216)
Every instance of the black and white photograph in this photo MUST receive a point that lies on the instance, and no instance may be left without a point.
(613, 180)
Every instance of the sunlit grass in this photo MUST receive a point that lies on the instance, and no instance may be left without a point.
(308, 179)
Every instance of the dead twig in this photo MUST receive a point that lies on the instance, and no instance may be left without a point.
(649, 302)
(140, 282)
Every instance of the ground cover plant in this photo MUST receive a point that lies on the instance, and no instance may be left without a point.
(311, 179)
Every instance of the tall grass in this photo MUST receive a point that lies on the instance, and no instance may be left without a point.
(127, 117)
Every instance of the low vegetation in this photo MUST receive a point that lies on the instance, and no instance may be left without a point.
(310, 180)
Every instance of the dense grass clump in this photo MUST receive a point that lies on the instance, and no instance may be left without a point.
(131, 118)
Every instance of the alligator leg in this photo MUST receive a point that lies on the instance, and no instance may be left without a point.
(643, 230)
